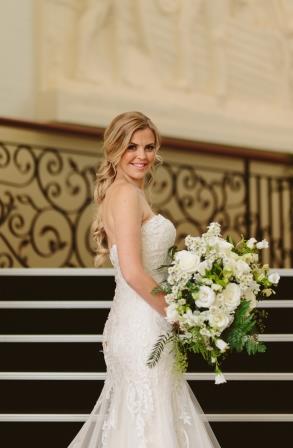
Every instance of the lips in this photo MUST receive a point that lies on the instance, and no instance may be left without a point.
(139, 165)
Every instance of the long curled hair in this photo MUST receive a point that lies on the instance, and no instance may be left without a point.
(117, 136)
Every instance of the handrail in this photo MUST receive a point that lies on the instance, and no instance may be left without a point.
(172, 143)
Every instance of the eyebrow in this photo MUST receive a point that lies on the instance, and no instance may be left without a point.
(148, 144)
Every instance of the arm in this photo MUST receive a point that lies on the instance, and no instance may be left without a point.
(128, 211)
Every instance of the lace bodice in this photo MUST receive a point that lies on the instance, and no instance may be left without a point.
(158, 234)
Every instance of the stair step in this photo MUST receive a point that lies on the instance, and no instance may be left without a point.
(87, 287)
(87, 321)
(80, 396)
(88, 357)
(67, 284)
(59, 434)
(191, 376)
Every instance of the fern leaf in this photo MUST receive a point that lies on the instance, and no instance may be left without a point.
(158, 348)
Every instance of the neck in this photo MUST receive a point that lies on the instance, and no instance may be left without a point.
(139, 183)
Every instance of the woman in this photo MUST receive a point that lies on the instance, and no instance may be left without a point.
(139, 407)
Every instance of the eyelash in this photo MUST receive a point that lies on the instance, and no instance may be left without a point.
(152, 148)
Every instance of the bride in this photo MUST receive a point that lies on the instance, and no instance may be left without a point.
(139, 406)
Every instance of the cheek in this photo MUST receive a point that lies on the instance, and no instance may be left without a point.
(151, 157)
(126, 158)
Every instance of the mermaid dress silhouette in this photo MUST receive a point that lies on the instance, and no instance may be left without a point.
(142, 407)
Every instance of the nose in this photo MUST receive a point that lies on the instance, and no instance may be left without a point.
(141, 153)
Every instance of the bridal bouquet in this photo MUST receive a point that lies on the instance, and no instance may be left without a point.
(212, 290)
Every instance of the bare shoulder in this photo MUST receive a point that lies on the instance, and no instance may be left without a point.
(123, 191)
(124, 199)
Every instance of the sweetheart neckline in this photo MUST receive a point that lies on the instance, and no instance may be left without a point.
(144, 223)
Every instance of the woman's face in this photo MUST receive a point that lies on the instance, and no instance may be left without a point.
(138, 156)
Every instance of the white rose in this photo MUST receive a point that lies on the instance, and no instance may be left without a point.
(221, 344)
(219, 299)
(274, 278)
(172, 313)
(188, 262)
(251, 242)
(262, 244)
(218, 318)
(206, 297)
(232, 295)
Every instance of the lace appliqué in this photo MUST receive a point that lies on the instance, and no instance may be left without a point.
(110, 421)
(140, 405)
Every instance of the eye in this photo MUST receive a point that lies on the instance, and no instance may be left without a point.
(131, 146)
(150, 147)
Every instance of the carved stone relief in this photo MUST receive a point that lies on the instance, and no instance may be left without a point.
(237, 52)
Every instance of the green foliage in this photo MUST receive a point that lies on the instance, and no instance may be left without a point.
(217, 274)
(238, 336)
(253, 346)
(260, 316)
(158, 348)
(181, 359)
(172, 250)
(157, 290)
(243, 323)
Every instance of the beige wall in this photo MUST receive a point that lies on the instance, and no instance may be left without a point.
(18, 59)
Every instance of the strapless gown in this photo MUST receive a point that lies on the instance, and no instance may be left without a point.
(142, 407)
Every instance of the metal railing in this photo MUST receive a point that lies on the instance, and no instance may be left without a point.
(46, 196)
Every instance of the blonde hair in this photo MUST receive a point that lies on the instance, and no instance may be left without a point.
(116, 139)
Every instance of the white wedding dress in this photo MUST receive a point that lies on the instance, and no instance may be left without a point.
(142, 407)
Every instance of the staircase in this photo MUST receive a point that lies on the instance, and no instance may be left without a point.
(52, 367)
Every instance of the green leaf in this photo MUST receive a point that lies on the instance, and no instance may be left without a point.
(254, 346)
(158, 348)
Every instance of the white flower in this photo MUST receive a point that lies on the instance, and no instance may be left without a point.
(230, 264)
(262, 244)
(205, 332)
(219, 301)
(220, 378)
(249, 257)
(274, 278)
(188, 262)
(191, 318)
(232, 294)
(203, 316)
(221, 344)
(224, 245)
(242, 267)
(251, 242)
(212, 240)
(230, 319)
(218, 319)
(172, 313)
(249, 295)
(206, 297)
(204, 266)
(217, 287)
(214, 228)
